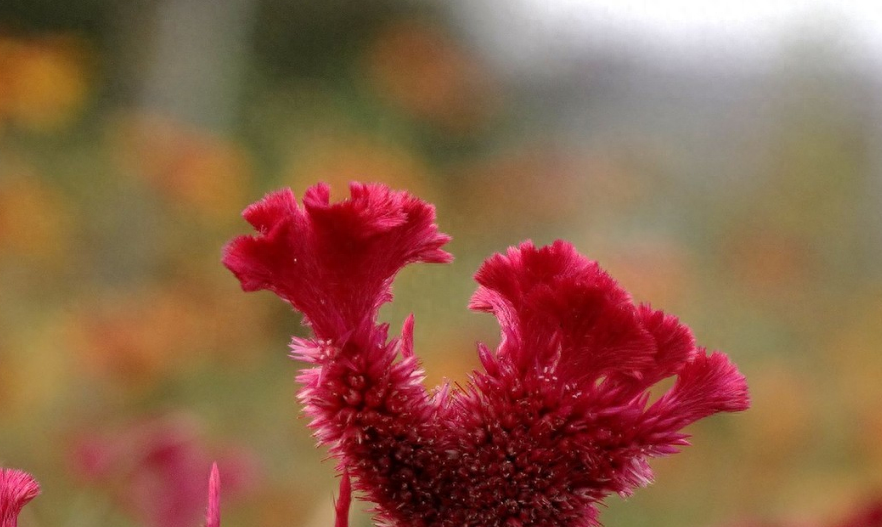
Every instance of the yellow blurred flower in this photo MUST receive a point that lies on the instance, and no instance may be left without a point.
(33, 375)
(855, 352)
(44, 82)
(781, 416)
(340, 157)
(34, 221)
(450, 357)
(854, 356)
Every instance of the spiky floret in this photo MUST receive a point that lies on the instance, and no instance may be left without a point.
(17, 488)
(212, 512)
(558, 419)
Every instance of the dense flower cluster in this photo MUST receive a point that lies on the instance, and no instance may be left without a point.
(560, 416)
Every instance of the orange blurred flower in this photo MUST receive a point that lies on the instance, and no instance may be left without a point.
(185, 165)
(656, 269)
(417, 67)
(773, 264)
(141, 337)
(530, 185)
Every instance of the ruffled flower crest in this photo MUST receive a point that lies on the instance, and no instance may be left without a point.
(17, 488)
(557, 420)
(334, 263)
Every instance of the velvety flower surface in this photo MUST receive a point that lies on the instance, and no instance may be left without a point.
(17, 488)
(559, 417)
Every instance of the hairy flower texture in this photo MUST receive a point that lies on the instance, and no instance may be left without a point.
(558, 419)
(17, 488)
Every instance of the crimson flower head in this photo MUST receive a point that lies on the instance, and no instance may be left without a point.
(17, 488)
(559, 417)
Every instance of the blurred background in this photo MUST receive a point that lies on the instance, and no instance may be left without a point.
(722, 160)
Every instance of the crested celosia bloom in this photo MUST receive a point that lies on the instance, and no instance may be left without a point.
(17, 488)
(558, 419)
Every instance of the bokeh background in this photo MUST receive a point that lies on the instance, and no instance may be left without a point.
(722, 160)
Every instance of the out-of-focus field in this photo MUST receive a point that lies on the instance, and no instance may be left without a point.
(743, 194)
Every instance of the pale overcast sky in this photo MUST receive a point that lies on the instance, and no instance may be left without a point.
(707, 20)
(523, 35)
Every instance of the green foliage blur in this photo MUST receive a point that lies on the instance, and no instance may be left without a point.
(132, 134)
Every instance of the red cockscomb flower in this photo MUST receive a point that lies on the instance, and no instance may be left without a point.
(558, 419)
(17, 488)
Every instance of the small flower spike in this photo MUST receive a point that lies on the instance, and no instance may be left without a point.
(17, 488)
(558, 419)
(212, 514)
